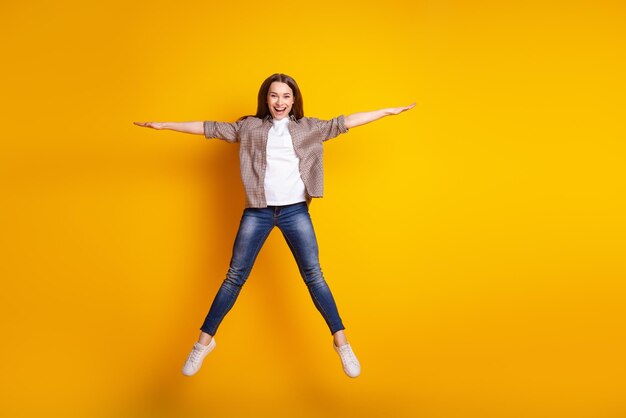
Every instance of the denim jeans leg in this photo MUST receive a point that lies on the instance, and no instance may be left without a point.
(297, 228)
(254, 228)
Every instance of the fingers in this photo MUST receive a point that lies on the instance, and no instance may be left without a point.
(405, 108)
(145, 124)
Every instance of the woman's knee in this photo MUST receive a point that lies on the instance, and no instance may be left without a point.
(313, 275)
(236, 277)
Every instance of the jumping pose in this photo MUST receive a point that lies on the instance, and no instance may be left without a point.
(280, 155)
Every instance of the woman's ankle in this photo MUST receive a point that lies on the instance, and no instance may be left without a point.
(205, 338)
(339, 338)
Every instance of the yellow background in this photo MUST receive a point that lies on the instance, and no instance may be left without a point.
(475, 245)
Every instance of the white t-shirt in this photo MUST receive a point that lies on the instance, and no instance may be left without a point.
(283, 184)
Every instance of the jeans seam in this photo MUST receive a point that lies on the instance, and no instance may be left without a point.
(297, 256)
(247, 273)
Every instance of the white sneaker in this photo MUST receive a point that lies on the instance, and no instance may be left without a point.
(351, 365)
(198, 353)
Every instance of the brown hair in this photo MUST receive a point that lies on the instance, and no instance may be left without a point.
(263, 110)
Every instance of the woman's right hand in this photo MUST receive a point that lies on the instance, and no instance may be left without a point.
(153, 125)
(194, 127)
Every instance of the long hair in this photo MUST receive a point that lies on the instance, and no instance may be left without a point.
(263, 110)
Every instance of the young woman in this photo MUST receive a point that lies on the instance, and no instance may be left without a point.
(280, 154)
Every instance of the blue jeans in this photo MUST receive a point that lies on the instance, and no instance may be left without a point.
(256, 224)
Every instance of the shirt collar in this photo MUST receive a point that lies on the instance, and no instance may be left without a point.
(291, 117)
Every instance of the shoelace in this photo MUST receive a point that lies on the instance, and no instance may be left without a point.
(347, 356)
(194, 356)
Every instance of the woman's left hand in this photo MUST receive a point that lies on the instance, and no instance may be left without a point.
(397, 110)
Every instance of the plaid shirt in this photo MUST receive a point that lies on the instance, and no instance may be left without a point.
(307, 135)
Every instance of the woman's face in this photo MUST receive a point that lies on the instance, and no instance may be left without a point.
(279, 100)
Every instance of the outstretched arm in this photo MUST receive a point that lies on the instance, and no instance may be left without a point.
(361, 118)
(186, 127)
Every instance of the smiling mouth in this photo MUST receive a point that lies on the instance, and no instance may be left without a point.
(280, 109)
